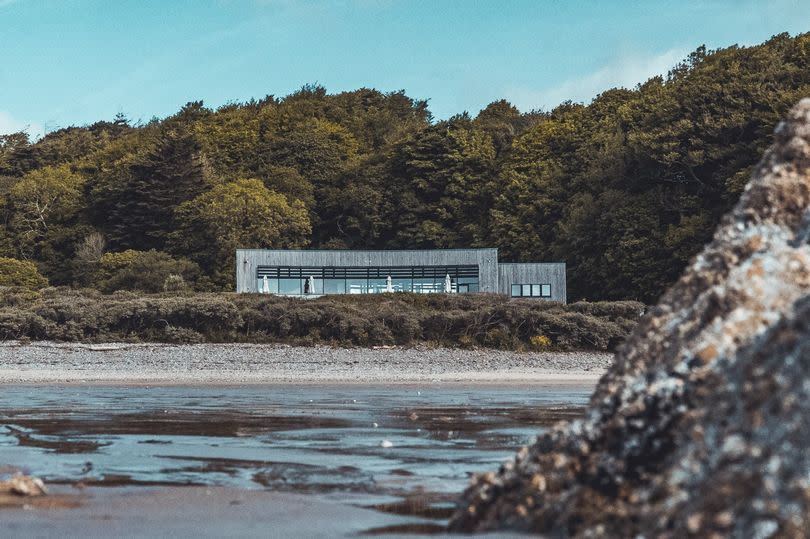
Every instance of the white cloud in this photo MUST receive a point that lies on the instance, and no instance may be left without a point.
(625, 72)
(8, 124)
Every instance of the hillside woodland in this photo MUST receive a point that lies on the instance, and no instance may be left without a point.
(625, 189)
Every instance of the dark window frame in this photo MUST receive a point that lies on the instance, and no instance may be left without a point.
(531, 290)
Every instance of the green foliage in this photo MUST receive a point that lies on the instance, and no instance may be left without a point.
(20, 273)
(42, 200)
(145, 271)
(624, 189)
(242, 213)
(142, 202)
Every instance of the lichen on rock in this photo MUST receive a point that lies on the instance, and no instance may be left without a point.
(702, 425)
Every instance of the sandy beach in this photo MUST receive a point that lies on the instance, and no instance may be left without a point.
(49, 362)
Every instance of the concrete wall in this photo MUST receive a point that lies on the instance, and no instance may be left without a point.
(534, 273)
(248, 260)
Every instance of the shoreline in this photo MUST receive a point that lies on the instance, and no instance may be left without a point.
(236, 364)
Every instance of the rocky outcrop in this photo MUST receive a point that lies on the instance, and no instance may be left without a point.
(702, 426)
(23, 486)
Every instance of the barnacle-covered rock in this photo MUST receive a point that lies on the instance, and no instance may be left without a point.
(702, 426)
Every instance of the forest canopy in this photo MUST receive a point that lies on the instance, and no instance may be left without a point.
(625, 189)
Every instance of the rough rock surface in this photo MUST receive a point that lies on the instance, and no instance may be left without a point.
(702, 426)
(23, 485)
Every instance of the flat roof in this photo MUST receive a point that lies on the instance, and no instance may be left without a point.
(370, 250)
(526, 263)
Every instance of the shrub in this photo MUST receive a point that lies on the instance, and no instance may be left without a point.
(21, 273)
(466, 321)
(145, 271)
(175, 283)
(540, 342)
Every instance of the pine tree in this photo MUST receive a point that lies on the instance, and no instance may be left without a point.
(172, 173)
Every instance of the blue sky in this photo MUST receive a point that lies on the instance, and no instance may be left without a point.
(71, 62)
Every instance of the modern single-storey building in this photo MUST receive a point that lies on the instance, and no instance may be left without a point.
(457, 271)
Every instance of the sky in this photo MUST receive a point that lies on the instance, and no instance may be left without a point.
(74, 62)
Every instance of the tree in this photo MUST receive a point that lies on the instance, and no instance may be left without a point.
(143, 202)
(41, 200)
(85, 262)
(23, 273)
(238, 214)
(439, 190)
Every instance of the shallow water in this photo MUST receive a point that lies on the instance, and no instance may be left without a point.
(403, 450)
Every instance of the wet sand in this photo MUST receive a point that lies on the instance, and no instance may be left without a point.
(200, 512)
(206, 364)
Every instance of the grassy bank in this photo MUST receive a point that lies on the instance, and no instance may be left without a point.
(64, 314)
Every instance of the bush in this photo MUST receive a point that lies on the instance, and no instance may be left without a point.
(175, 283)
(21, 273)
(144, 271)
(404, 319)
(540, 342)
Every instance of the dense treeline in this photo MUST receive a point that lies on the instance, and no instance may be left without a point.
(625, 189)
(386, 319)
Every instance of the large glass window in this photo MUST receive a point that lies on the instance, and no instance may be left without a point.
(401, 285)
(313, 286)
(471, 284)
(334, 286)
(546, 291)
(377, 286)
(272, 286)
(516, 291)
(305, 280)
(424, 285)
(289, 286)
(356, 286)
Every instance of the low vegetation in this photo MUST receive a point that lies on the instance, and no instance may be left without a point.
(20, 273)
(65, 314)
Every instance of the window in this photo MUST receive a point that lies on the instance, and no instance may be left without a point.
(334, 286)
(289, 286)
(531, 291)
(313, 286)
(401, 285)
(270, 288)
(295, 280)
(356, 286)
(470, 282)
(377, 286)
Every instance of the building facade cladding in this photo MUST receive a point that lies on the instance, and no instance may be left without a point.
(315, 272)
(551, 275)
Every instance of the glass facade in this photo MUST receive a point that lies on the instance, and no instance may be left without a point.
(334, 286)
(305, 281)
(377, 286)
(289, 286)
